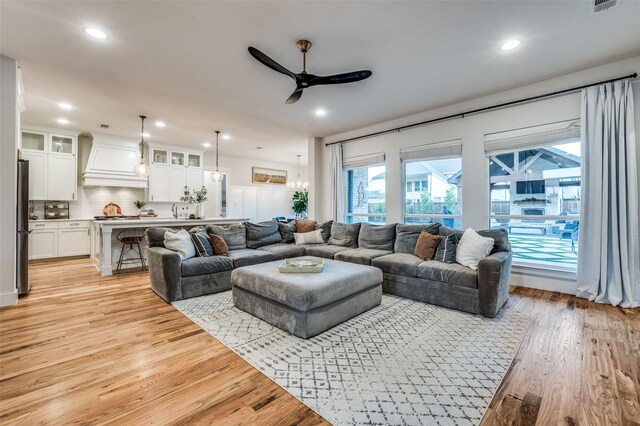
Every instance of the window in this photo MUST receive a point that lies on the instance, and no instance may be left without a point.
(366, 194)
(535, 195)
(439, 201)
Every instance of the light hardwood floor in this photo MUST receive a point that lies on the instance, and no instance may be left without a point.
(86, 349)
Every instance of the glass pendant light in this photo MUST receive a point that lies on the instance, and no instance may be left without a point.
(217, 176)
(141, 169)
(298, 185)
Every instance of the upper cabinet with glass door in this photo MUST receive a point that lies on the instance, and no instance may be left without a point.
(34, 141)
(195, 160)
(51, 143)
(60, 144)
(159, 156)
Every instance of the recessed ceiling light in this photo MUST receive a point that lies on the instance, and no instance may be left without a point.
(62, 121)
(160, 124)
(320, 112)
(258, 147)
(146, 135)
(206, 145)
(65, 105)
(226, 137)
(511, 44)
(96, 33)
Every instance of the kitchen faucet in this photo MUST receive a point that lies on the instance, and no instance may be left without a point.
(174, 211)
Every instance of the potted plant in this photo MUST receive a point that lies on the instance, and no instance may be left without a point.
(139, 205)
(300, 203)
(192, 196)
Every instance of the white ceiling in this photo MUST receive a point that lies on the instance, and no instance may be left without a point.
(187, 62)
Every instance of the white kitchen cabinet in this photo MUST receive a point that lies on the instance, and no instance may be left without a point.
(171, 170)
(37, 174)
(43, 240)
(52, 165)
(59, 239)
(159, 183)
(61, 182)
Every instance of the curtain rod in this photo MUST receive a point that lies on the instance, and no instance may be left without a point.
(476, 111)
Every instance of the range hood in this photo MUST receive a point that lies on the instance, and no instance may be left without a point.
(111, 163)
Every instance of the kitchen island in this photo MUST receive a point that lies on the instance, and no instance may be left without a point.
(106, 248)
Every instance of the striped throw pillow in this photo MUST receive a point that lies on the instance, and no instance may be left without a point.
(201, 243)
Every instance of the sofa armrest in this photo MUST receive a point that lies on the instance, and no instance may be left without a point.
(165, 273)
(494, 273)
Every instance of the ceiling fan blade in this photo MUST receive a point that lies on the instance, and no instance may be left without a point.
(294, 96)
(270, 62)
(348, 77)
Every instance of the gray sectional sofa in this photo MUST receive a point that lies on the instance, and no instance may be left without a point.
(387, 247)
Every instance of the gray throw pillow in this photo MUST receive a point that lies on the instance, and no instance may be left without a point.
(377, 237)
(446, 251)
(325, 227)
(407, 236)
(262, 234)
(286, 231)
(234, 235)
(155, 236)
(344, 235)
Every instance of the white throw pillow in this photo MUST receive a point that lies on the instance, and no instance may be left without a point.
(180, 242)
(472, 248)
(313, 237)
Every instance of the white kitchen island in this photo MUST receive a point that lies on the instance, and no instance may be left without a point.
(106, 248)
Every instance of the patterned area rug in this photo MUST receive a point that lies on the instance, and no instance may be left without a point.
(403, 362)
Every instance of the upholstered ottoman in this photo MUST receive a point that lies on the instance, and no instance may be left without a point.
(306, 304)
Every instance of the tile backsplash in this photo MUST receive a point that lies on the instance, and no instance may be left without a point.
(92, 199)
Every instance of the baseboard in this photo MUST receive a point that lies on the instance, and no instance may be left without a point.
(560, 282)
(8, 299)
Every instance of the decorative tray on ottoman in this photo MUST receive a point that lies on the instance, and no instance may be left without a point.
(301, 265)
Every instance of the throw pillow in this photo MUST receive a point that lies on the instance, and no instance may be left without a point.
(472, 248)
(201, 242)
(344, 235)
(427, 245)
(218, 245)
(313, 237)
(180, 242)
(262, 234)
(325, 227)
(234, 235)
(446, 251)
(303, 226)
(286, 232)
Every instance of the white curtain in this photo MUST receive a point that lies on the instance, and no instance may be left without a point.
(336, 183)
(609, 254)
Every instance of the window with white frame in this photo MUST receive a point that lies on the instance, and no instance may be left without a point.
(433, 186)
(365, 180)
(535, 188)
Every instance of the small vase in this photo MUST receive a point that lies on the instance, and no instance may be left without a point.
(199, 211)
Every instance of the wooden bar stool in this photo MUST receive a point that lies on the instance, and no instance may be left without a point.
(131, 238)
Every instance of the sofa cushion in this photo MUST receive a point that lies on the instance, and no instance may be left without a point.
(155, 236)
(500, 237)
(219, 245)
(181, 243)
(344, 235)
(283, 250)
(303, 226)
(398, 263)
(262, 234)
(446, 251)
(326, 251)
(244, 257)
(360, 256)
(313, 237)
(234, 235)
(407, 236)
(450, 273)
(377, 237)
(205, 265)
(427, 245)
(325, 227)
(286, 231)
(202, 244)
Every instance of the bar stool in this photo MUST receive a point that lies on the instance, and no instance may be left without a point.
(131, 238)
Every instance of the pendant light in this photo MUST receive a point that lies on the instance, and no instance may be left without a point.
(141, 169)
(217, 176)
(298, 185)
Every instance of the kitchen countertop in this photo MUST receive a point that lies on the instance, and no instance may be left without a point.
(168, 221)
(73, 219)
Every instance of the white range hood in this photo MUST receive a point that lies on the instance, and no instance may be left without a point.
(111, 163)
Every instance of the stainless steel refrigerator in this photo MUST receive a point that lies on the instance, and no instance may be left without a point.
(23, 228)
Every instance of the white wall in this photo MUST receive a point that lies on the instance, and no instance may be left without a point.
(471, 130)
(9, 128)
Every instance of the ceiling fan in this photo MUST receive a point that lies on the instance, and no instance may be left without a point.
(303, 79)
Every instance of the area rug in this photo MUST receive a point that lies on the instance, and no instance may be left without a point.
(403, 362)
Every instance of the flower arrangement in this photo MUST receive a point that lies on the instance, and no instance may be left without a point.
(139, 204)
(192, 196)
